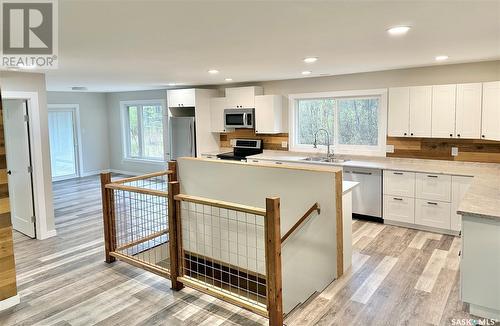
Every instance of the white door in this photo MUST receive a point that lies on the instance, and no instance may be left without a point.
(443, 111)
(17, 148)
(63, 143)
(420, 111)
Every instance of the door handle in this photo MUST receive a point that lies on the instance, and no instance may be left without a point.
(9, 172)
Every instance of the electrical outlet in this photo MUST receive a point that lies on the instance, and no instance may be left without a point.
(454, 151)
(284, 144)
(232, 142)
(389, 148)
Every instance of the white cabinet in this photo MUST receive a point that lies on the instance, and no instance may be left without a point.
(399, 209)
(491, 111)
(399, 183)
(217, 106)
(367, 196)
(420, 111)
(242, 97)
(468, 111)
(434, 214)
(268, 114)
(433, 187)
(181, 97)
(443, 111)
(399, 112)
(460, 185)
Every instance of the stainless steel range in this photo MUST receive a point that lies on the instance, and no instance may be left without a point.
(242, 149)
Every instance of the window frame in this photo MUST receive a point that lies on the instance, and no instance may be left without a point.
(125, 126)
(379, 150)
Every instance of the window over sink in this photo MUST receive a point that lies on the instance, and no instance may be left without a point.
(143, 124)
(355, 121)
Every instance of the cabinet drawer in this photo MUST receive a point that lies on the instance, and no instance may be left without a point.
(399, 183)
(432, 213)
(433, 187)
(400, 209)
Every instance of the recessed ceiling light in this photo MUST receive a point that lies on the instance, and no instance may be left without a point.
(79, 88)
(398, 30)
(228, 79)
(441, 58)
(310, 59)
(172, 84)
(307, 72)
(213, 71)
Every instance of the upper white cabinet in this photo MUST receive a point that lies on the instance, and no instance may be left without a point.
(181, 97)
(443, 111)
(491, 111)
(242, 97)
(268, 114)
(468, 111)
(398, 124)
(217, 106)
(420, 111)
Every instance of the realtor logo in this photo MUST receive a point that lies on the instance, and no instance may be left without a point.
(29, 34)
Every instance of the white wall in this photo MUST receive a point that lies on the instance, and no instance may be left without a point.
(93, 126)
(117, 162)
(32, 82)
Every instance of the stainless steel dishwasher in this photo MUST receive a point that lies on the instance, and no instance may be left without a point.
(367, 197)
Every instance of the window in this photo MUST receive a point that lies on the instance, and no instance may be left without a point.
(143, 130)
(354, 120)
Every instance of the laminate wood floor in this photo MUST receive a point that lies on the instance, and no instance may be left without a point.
(399, 277)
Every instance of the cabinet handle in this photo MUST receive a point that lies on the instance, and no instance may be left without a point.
(255, 161)
(397, 198)
(458, 135)
(360, 172)
(460, 253)
(411, 134)
(482, 136)
(431, 176)
(405, 134)
(398, 173)
(431, 203)
(278, 162)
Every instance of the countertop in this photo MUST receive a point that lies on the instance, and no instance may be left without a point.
(481, 200)
(348, 186)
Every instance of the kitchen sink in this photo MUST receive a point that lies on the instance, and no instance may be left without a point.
(325, 160)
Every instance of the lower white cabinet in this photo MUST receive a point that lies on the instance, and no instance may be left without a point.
(399, 209)
(432, 213)
(460, 185)
(433, 186)
(399, 183)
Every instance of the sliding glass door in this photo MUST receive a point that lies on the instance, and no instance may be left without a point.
(63, 143)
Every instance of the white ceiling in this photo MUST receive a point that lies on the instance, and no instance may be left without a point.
(131, 45)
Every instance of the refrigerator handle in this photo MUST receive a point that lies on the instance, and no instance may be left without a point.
(191, 138)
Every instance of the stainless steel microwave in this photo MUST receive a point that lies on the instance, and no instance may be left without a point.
(239, 118)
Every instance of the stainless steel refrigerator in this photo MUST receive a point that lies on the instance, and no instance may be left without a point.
(182, 137)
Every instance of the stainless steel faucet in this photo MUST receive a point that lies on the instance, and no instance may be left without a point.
(328, 155)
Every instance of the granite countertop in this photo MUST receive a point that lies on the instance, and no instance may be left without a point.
(481, 200)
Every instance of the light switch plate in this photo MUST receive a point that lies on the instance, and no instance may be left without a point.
(389, 148)
(284, 144)
(454, 151)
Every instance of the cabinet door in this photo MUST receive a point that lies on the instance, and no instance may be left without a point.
(433, 186)
(459, 186)
(217, 105)
(399, 183)
(432, 213)
(443, 111)
(181, 97)
(268, 109)
(491, 111)
(420, 111)
(399, 112)
(242, 97)
(399, 209)
(468, 111)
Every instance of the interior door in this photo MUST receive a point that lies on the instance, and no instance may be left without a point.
(63, 143)
(17, 146)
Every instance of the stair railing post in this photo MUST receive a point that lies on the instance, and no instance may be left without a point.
(108, 217)
(174, 230)
(273, 262)
(172, 166)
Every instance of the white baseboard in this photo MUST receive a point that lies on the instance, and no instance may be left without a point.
(484, 312)
(47, 234)
(421, 227)
(9, 302)
(94, 172)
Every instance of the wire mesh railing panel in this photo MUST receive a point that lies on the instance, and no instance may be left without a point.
(141, 225)
(224, 250)
(155, 183)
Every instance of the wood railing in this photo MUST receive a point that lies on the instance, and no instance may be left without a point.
(250, 278)
(301, 221)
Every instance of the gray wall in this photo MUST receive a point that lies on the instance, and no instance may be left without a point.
(93, 126)
(117, 161)
(33, 82)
